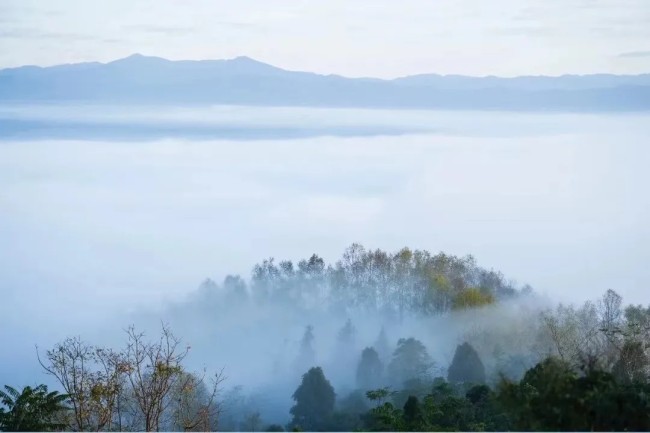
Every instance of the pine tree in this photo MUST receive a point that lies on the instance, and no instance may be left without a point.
(466, 366)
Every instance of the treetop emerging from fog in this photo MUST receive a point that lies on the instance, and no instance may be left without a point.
(394, 284)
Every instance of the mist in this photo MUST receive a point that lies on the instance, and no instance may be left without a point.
(121, 220)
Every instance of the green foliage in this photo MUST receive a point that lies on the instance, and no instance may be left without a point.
(410, 361)
(443, 409)
(315, 399)
(466, 366)
(354, 403)
(418, 387)
(369, 370)
(551, 396)
(32, 409)
(378, 395)
(384, 418)
(412, 413)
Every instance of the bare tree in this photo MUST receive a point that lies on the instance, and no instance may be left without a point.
(152, 370)
(90, 376)
(68, 363)
(587, 337)
(195, 406)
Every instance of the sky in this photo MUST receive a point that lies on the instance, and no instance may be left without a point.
(378, 38)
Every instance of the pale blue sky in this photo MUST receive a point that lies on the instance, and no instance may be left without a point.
(383, 38)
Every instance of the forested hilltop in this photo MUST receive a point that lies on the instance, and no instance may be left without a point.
(394, 284)
(378, 341)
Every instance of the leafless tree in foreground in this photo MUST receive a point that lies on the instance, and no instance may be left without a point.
(152, 370)
(91, 377)
(195, 406)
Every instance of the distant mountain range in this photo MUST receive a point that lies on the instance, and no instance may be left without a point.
(244, 81)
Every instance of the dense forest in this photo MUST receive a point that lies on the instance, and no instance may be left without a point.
(378, 341)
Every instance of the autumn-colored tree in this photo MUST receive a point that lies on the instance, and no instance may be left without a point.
(472, 298)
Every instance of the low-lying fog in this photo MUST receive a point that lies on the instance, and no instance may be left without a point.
(106, 212)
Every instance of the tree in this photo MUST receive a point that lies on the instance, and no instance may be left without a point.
(552, 396)
(315, 399)
(306, 356)
(312, 279)
(354, 403)
(235, 289)
(345, 351)
(544, 399)
(632, 364)
(32, 409)
(379, 395)
(382, 346)
(194, 406)
(369, 370)
(410, 361)
(592, 336)
(91, 376)
(412, 413)
(637, 324)
(347, 334)
(472, 298)
(153, 369)
(252, 422)
(466, 366)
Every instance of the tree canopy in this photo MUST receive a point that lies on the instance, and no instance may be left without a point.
(315, 400)
(466, 366)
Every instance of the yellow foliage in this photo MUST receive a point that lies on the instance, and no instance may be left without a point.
(472, 298)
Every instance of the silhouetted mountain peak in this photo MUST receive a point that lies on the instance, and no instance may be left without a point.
(137, 59)
(247, 60)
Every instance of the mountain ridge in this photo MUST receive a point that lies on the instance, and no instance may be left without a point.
(245, 81)
(244, 58)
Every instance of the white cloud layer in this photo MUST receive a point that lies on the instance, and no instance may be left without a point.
(381, 38)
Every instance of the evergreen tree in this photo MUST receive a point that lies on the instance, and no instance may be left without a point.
(306, 355)
(412, 413)
(369, 370)
(382, 346)
(410, 361)
(315, 399)
(466, 366)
